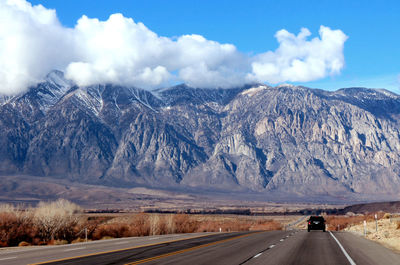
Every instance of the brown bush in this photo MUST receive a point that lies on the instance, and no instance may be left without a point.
(341, 222)
(158, 224)
(23, 244)
(230, 225)
(212, 226)
(49, 221)
(57, 242)
(91, 224)
(78, 240)
(386, 216)
(184, 224)
(111, 230)
(14, 228)
(267, 225)
(60, 222)
(398, 225)
(56, 220)
(140, 225)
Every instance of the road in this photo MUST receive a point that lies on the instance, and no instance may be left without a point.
(273, 247)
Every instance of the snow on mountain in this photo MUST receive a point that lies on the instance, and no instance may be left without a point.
(290, 140)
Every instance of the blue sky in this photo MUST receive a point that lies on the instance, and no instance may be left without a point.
(371, 52)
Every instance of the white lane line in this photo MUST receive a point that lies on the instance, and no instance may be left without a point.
(343, 250)
(256, 256)
(281, 239)
(72, 249)
(271, 246)
(8, 258)
(123, 242)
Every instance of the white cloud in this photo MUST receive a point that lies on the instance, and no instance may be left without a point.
(299, 59)
(121, 51)
(31, 39)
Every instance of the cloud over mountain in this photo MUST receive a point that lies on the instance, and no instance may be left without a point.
(298, 59)
(122, 51)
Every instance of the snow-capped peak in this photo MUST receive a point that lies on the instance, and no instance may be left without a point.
(285, 85)
(54, 87)
(254, 90)
(57, 78)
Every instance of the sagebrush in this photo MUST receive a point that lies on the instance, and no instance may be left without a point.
(64, 222)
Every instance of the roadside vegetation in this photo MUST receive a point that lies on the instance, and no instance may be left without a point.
(386, 230)
(63, 222)
(340, 222)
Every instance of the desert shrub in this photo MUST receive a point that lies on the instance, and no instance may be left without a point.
(169, 224)
(267, 225)
(184, 224)
(209, 226)
(91, 224)
(115, 230)
(398, 225)
(386, 216)
(342, 222)
(56, 220)
(15, 226)
(78, 240)
(58, 242)
(23, 244)
(140, 225)
(158, 224)
(230, 225)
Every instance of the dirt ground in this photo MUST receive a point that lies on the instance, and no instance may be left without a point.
(388, 233)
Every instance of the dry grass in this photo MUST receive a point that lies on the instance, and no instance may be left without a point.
(15, 227)
(44, 224)
(388, 232)
(340, 222)
(267, 225)
(61, 222)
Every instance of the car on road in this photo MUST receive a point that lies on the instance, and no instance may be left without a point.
(316, 223)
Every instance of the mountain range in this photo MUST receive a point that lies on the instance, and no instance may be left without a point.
(271, 142)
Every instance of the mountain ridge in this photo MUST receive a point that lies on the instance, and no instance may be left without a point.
(253, 139)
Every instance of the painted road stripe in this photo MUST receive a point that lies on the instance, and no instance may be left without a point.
(343, 250)
(8, 258)
(189, 249)
(271, 246)
(281, 239)
(256, 256)
(72, 249)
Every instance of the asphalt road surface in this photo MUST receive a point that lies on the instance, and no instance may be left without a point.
(274, 247)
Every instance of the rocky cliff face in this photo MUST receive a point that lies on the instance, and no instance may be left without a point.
(283, 140)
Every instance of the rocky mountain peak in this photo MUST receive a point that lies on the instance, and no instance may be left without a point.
(256, 139)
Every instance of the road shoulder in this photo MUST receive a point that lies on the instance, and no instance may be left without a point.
(367, 252)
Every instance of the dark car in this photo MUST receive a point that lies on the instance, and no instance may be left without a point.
(316, 223)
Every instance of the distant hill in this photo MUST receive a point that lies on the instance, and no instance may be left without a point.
(388, 207)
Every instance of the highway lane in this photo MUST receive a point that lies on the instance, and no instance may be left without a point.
(317, 247)
(273, 247)
(26, 255)
(301, 247)
(152, 251)
(233, 252)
